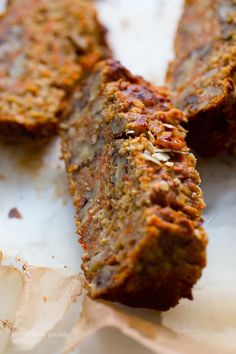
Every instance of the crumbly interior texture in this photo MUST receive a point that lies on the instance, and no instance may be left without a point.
(45, 47)
(136, 194)
(203, 74)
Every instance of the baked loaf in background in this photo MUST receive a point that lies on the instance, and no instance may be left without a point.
(202, 76)
(45, 48)
(135, 187)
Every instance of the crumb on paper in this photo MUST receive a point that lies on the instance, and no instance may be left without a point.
(2, 178)
(6, 324)
(14, 214)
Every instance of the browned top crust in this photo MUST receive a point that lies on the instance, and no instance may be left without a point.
(203, 74)
(44, 48)
(135, 187)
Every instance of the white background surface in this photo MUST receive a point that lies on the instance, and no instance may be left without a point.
(141, 34)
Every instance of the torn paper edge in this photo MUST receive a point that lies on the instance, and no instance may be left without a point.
(97, 315)
(45, 298)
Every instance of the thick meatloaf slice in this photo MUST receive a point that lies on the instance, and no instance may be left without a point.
(202, 76)
(136, 194)
(45, 47)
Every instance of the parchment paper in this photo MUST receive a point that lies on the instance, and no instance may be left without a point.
(40, 306)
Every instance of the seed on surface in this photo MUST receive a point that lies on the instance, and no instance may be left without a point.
(149, 147)
(150, 158)
(161, 156)
(169, 164)
(164, 186)
(169, 126)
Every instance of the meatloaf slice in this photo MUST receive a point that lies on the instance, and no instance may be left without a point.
(136, 194)
(202, 76)
(45, 47)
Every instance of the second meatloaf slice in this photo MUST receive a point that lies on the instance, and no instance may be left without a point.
(45, 48)
(138, 204)
(202, 76)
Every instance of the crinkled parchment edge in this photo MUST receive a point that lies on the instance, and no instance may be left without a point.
(43, 297)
